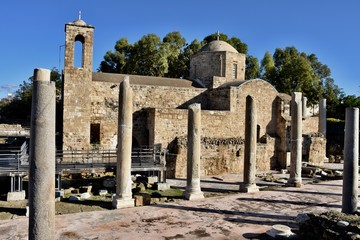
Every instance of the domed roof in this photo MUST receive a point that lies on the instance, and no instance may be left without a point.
(218, 46)
(80, 22)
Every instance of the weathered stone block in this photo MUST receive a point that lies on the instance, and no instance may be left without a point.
(152, 179)
(15, 196)
(162, 186)
(142, 199)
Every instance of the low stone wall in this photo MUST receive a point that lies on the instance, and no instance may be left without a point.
(219, 156)
(13, 130)
(314, 148)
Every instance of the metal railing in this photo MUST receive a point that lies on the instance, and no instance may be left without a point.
(14, 160)
(142, 159)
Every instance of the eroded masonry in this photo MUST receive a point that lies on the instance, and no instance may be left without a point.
(160, 110)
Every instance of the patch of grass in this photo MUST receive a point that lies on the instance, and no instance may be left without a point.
(334, 120)
(88, 205)
(170, 193)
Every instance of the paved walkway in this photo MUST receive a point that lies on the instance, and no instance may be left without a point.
(232, 216)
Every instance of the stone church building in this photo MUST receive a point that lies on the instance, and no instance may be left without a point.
(217, 82)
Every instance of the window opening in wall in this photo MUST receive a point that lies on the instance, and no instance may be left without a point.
(257, 133)
(234, 71)
(221, 65)
(195, 73)
(79, 51)
(95, 133)
(135, 143)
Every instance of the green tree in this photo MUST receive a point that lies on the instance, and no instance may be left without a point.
(116, 62)
(267, 67)
(148, 57)
(173, 44)
(152, 57)
(184, 58)
(20, 107)
(334, 96)
(293, 72)
(252, 68)
(345, 102)
(238, 45)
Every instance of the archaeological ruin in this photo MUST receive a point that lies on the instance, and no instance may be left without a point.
(160, 110)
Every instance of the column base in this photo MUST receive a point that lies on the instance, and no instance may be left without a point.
(15, 196)
(194, 196)
(123, 203)
(292, 182)
(248, 188)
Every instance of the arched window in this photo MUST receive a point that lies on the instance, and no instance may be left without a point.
(79, 51)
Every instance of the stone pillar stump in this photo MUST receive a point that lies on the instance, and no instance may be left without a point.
(249, 183)
(322, 116)
(193, 190)
(351, 161)
(123, 198)
(295, 179)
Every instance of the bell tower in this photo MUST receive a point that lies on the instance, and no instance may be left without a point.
(77, 78)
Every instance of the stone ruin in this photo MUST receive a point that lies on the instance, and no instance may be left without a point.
(217, 82)
(262, 125)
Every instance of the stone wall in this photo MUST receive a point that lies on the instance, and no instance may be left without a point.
(13, 130)
(205, 65)
(265, 96)
(311, 124)
(167, 121)
(219, 156)
(90, 103)
(172, 123)
(219, 99)
(77, 87)
(104, 109)
(238, 59)
(314, 148)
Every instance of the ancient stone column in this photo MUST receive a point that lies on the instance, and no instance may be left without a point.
(296, 140)
(351, 161)
(42, 158)
(123, 198)
(249, 184)
(193, 190)
(322, 116)
(304, 107)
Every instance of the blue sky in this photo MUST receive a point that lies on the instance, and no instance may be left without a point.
(31, 32)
